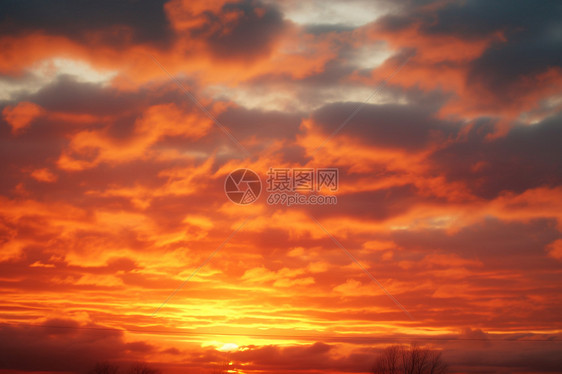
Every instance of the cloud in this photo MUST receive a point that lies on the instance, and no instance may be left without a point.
(90, 147)
(555, 249)
(100, 23)
(495, 61)
(527, 157)
(20, 116)
(300, 359)
(386, 126)
(529, 36)
(68, 95)
(44, 175)
(66, 347)
(242, 30)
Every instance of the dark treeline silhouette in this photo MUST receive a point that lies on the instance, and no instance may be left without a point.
(223, 367)
(136, 368)
(398, 359)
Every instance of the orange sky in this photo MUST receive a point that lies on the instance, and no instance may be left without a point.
(119, 123)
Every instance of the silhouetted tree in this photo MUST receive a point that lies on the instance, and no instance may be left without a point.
(398, 359)
(142, 368)
(224, 366)
(105, 368)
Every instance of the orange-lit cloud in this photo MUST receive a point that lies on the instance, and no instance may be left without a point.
(20, 116)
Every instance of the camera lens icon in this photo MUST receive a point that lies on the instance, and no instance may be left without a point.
(242, 186)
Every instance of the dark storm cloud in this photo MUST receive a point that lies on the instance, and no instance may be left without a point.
(531, 30)
(111, 111)
(331, 74)
(32, 148)
(533, 34)
(246, 123)
(334, 72)
(502, 258)
(478, 18)
(40, 277)
(67, 94)
(70, 96)
(67, 348)
(376, 205)
(505, 357)
(508, 245)
(501, 67)
(319, 29)
(119, 21)
(528, 156)
(300, 359)
(249, 35)
(46, 136)
(267, 127)
(474, 18)
(396, 22)
(408, 127)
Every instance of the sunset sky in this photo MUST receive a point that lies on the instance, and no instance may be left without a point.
(121, 121)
